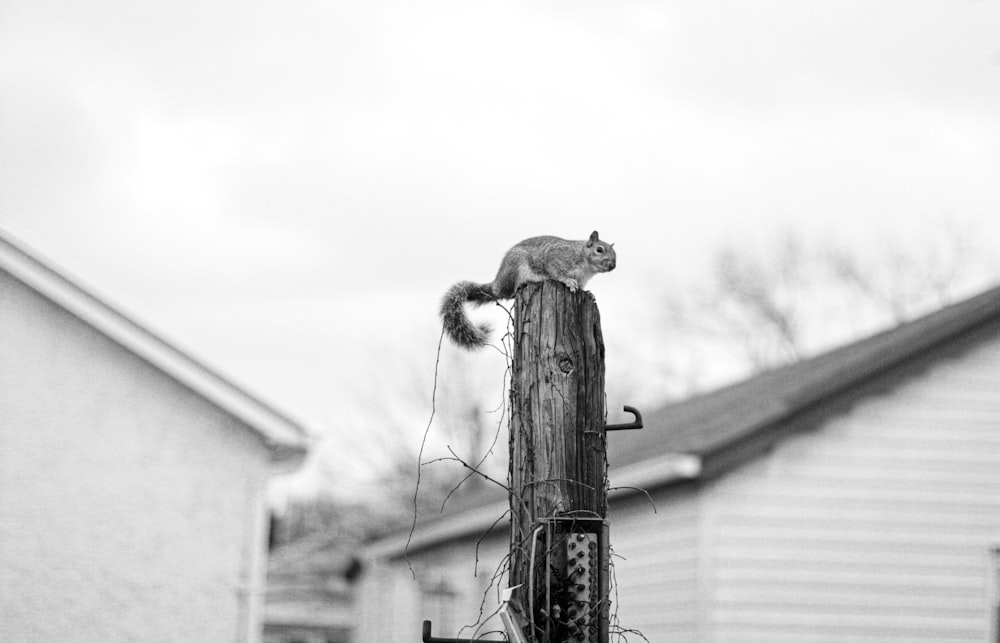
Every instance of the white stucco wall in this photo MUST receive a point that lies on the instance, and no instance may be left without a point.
(130, 508)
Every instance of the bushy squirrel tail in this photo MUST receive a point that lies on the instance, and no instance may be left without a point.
(456, 323)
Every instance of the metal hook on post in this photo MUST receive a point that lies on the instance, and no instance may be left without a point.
(636, 423)
(427, 638)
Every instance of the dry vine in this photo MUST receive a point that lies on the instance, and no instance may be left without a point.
(518, 543)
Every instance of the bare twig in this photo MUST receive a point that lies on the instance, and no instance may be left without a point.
(423, 443)
(640, 490)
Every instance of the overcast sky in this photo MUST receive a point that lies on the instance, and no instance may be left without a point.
(288, 188)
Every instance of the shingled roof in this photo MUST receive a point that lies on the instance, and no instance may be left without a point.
(746, 417)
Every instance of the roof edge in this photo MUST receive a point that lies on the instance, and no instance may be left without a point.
(667, 469)
(885, 370)
(935, 332)
(480, 519)
(281, 434)
(655, 472)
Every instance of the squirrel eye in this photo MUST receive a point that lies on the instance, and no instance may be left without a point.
(599, 249)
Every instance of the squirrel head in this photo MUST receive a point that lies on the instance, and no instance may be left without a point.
(600, 254)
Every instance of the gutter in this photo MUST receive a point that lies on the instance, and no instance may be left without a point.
(667, 469)
(660, 471)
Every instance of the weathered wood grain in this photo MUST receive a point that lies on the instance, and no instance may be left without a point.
(558, 446)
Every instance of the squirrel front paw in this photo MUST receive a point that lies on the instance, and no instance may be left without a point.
(572, 284)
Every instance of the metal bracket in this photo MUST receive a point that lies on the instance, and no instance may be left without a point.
(427, 638)
(634, 424)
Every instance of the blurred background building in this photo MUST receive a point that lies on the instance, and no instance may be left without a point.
(310, 591)
(132, 477)
(852, 496)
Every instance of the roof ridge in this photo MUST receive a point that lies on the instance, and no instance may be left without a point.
(711, 420)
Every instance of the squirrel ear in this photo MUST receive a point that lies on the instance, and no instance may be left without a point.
(593, 238)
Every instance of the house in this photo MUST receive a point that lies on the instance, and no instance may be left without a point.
(132, 477)
(853, 496)
(310, 592)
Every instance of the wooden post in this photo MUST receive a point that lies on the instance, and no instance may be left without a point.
(558, 459)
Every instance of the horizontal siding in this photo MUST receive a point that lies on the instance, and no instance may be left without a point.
(876, 527)
(394, 601)
(657, 567)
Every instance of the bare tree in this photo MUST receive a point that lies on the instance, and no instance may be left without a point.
(791, 300)
(760, 302)
(903, 281)
(410, 428)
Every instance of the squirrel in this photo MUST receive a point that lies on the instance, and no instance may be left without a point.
(570, 262)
